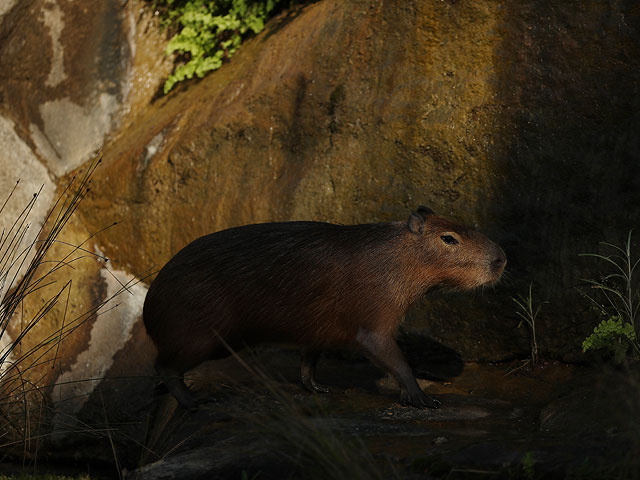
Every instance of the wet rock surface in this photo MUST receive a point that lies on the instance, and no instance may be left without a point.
(524, 424)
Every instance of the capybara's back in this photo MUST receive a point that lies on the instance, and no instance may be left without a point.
(314, 284)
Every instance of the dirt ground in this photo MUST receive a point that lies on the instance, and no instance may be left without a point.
(505, 420)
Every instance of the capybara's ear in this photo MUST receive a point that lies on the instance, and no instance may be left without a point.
(424, 212)
(416, 223)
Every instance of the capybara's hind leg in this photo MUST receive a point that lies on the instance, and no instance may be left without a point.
(174, 381)
(384, 352)
(308, 371)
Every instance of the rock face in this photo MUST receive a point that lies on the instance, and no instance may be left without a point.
(520, 118)
(68, 73)
(65, 78)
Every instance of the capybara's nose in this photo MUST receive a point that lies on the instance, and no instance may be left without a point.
(500, 261)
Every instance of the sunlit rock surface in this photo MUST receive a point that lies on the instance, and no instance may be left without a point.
(68, 72)
(519, 118)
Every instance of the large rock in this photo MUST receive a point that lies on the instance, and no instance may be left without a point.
(69, 69)
(72, 73)
(519, 119)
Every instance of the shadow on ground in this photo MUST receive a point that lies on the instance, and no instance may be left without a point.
(496, 421)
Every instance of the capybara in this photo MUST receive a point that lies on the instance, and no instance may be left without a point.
(316, 285)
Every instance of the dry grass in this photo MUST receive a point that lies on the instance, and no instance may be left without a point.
(26, 268)
(311, 446)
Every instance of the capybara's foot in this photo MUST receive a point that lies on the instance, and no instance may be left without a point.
(419, 400)
(311, 385)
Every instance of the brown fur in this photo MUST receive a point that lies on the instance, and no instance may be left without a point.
(312, 284)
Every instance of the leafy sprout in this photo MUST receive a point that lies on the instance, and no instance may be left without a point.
(211, 31)
(618, 333)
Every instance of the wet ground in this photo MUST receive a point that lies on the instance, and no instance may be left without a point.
(255, 421)
(496, 421)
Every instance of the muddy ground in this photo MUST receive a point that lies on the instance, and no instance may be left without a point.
(504, 420)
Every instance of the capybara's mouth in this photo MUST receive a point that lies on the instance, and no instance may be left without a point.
(494, 274)
(497, 276)
(498, 265)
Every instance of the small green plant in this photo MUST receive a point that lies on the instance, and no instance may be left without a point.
(618, 332)
(528, 464)
(613, 334)
(245, 476)
(210, 31)
(528, 315)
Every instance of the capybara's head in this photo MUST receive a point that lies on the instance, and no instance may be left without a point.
(453, 255)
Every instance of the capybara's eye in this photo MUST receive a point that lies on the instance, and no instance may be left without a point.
(449, 240)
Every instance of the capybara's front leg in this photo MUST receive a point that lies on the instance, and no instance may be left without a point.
(384, 352)
(308, 371)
